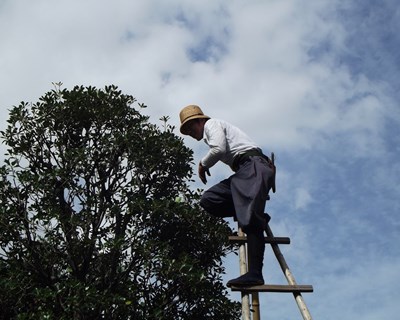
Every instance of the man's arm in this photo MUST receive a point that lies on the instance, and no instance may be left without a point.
(216, 140)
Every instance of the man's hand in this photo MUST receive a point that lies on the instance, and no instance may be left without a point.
(202, 173)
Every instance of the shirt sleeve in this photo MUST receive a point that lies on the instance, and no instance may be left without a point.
(215, 137)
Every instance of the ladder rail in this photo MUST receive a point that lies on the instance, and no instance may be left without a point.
(289, 277)
(255, 305)
(243, 270)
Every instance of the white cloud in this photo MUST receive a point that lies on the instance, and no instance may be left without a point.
(303, 199)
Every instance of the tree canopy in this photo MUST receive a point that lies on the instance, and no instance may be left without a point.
(97, 219)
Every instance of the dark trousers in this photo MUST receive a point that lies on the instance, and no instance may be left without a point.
(243, 196)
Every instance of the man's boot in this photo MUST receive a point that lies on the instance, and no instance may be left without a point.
(255, 250)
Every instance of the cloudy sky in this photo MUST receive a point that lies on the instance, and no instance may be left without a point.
(316, 81)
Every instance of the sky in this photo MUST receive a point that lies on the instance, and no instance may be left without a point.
(316, 82)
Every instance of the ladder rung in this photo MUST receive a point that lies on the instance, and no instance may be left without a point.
(275, 288)
(274, 240)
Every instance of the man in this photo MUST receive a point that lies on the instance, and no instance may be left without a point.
(242, 195)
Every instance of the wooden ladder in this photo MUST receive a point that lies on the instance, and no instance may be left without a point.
(292, 286)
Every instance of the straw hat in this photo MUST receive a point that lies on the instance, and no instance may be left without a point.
(188, 113)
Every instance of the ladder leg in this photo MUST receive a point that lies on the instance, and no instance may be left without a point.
(255, 300)
(255, 305)
(289, 277)
(243, 270)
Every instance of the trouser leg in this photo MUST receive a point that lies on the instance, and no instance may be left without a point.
(255, 251)
(249, 187)
(218, 200)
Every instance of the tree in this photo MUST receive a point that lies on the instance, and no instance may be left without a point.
(97, 220)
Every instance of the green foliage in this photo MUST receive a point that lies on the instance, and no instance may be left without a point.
(92, 225)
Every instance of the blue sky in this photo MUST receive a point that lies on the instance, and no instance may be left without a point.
(317, 82)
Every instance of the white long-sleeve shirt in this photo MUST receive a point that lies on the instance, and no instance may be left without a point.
(225, 142)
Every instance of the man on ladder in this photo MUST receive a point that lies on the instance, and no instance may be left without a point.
(243, 194)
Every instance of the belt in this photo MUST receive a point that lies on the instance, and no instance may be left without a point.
(243, 157)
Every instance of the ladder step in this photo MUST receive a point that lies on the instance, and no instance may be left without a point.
(274, 288)
(274, 240)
